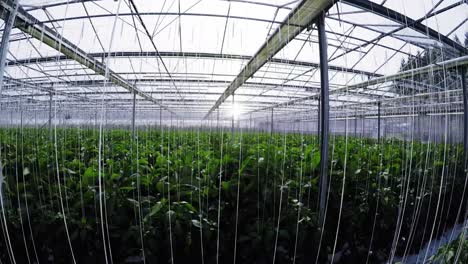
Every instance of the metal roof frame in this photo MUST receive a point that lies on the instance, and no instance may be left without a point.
(30, 25)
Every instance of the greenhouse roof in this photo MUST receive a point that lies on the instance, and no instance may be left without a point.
(189, 57)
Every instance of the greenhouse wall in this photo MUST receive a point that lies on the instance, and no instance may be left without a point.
(433, 128)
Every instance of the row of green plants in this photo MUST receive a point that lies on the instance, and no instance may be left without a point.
(190, 196)
(453, 252)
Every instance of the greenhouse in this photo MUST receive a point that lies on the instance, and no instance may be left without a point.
(233, 131)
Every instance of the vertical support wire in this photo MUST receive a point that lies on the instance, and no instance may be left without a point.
(355, 123)
(378, 121)
(233, 114)
(217, 120)
(272, 120)
(133, 115)
(160, 118)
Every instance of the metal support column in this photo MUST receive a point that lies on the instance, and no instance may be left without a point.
(465, 116)
(8, 26)
(50, 115)
(324, 116)
(378, 122)
(133, 115)
(319, 113)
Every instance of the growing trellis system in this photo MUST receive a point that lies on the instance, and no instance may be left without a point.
(233, 131)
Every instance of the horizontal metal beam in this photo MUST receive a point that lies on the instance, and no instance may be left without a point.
(55, 3)
(422, 109)
(157, 81)
(33, 27)
(300, 18)
(172, 101)
(163, 93)
(48, 90)
(374, 116)
(403, 101)
(406, 21)
(195, 55)
(444, 65)
(123, 101)
(250, 85)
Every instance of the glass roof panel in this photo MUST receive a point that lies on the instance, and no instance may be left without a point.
(202, 45)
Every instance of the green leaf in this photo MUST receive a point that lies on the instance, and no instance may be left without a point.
(160, 186)
(315, 160)
(133, 201)
(155, 209)
(70, 171)
(89, 175)
(196, 223)
(189, 206)
(127, 188)
(245, 163)
(225, 185)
